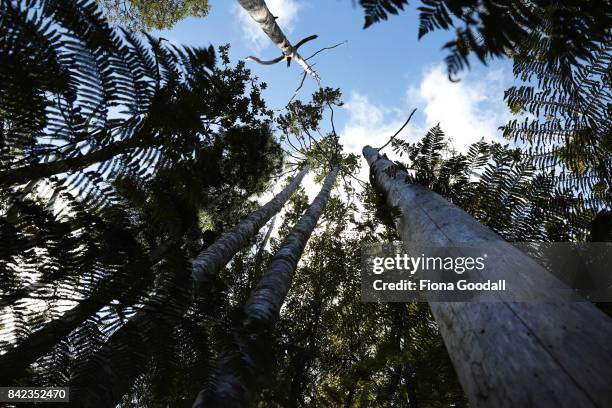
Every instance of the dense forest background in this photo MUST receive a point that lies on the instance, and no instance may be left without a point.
(138, 265)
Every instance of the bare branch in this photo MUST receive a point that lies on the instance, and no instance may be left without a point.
(297, 89)
(397, 133)
(258, 10)
(282, 57)
(268, 62)
(327, 48)
(292, 145)
(295, 92)
(361, 182)
(304, 41)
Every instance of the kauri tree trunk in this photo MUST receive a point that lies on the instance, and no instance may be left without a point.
(37, 171)
(14, 362)
(506, 354)
(110, 373)
(236, 372)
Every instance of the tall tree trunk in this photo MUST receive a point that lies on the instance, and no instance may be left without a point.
(236, 371)
(506, 354)
(37, 171)
(108, 375)
(262, 247)
(258, 10)
(14, 362)
(410, 384)
(305, 358)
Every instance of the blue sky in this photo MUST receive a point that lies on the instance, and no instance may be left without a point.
(383, 72)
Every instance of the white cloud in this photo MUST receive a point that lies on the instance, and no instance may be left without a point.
(257, 40)
(370, 124)
(466, 110)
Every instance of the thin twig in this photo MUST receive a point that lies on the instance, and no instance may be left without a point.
(327, 48)
(291, 144)
(397, 133)
(363, 183)
(295, 93)
(291, 155)
(297, 89)
(332, 119)
(290, 171)
(299, 140)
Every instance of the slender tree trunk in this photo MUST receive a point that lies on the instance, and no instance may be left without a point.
(14, 362)
(37, 171)
(258, 10)
(305, 359)
(254, 277)
(109, 374)
(12, 298)
(351, 394)
(506, 354)
(262, 247)
(236, 372)
(410, 384)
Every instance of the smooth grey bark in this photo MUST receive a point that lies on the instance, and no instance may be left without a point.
(507, 354)
(16, 360)
(109, 374)
(262, 247)
(258, 10)
(213, 258)
(234, 378)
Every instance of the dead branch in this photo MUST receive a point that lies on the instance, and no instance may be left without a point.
(327, 48)
(397, 133)
(269, 62)
(283, 56)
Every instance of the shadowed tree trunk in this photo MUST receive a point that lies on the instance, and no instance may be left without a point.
(305, 356)
(109, 374)
(258, 10)
(262, 247)
(37, 171)
(234, 378)
(410, 384)
(305, 359)
(14, 362)
(506, 354)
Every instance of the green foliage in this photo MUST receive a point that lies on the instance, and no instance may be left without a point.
(333, 350)
(300, 128)
(566, 126)
(500, 187)
(152, 14)
(376, 10)
(124, 103)
(111, 145)
(489, 28)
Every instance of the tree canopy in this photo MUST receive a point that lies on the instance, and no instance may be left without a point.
(152, 14)
(493, 29)
(137, 265)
